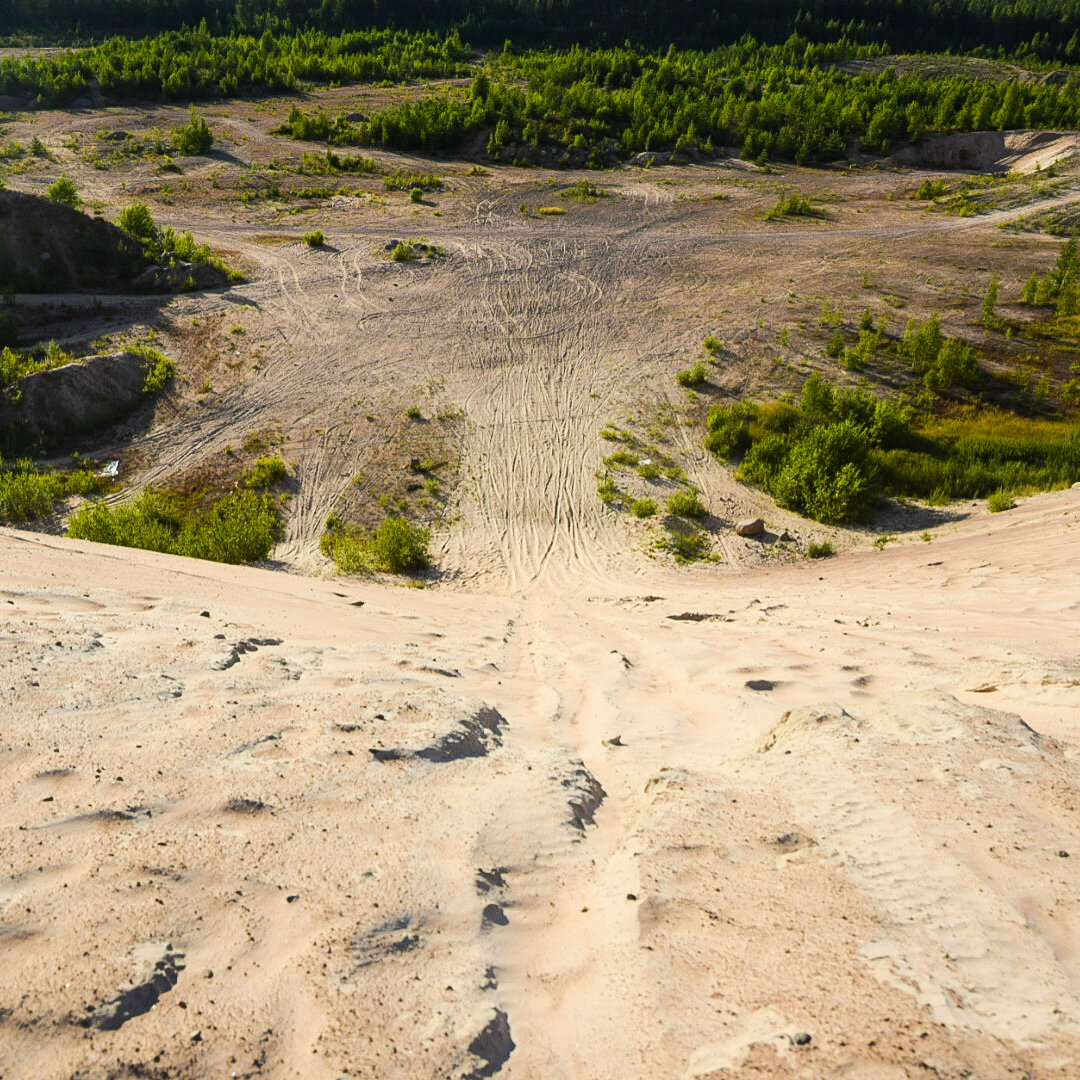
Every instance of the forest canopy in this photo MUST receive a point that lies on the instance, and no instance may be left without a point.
(1045, 29)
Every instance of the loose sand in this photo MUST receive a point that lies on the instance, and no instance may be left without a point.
(811, 821)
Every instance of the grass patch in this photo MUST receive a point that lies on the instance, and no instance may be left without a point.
(550, 211)
(643, 508)
(405, 181)
(792, 204)
(1000, 501)
(820, 549)
(315, 239)
(397, 546)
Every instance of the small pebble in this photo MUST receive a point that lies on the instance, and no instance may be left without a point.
(1063, 854)
(801, 1039)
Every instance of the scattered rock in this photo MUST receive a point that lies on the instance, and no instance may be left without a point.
(493, 915)
(586, 795)
(490, 879)
(387, 941)
(493, 1046)
(473, 737)
(245, 806)
(248, 645)
(750, 527)
(139, 998)
(801, 1038)
(760, 684)
(615, 740)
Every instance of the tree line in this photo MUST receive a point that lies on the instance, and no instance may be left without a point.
(1047, 29)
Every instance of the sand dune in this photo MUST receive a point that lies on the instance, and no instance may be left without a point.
(811, 821)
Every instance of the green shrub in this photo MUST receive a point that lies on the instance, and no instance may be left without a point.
(792, 205)
(694, 376)
(195, 136)
(1000, 501)
(136, 220)
(643, 508)
(712, 345)
(64, 191)
(827, 474)
(820, 549)
(239, 528)
(401, 547)
(266, 472)
(405, 181)
(16, 364)
(397, 546)
(27, 493)
(159, 368)
(402, 253)
(416, 195)
(729, 429)
(687, 503)
(315, 238)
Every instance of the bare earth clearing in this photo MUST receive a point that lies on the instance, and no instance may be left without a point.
(574, 812)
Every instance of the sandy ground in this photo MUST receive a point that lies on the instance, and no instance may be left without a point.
(810, 821)
(571, 812)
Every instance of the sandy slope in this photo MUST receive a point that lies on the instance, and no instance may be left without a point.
(343, 830)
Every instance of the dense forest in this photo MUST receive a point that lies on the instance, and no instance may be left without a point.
(1047, 29)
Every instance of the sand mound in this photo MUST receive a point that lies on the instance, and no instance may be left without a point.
(46, 246)
(257, 827)
(991, 151)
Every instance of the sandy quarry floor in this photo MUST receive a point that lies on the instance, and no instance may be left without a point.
(570, 812)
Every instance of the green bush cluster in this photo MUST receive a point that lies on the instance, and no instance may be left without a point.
(943, 362)
(64, 191)
(832, 452)
(397, 546)
(16, 364)
(792, 204)
(1060, 286)
(27, 493)
(239, 528)
(315, 239)
(162, 241)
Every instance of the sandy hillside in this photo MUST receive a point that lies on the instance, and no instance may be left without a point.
(811, 821)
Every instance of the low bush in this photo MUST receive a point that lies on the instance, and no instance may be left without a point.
(643, 508)
(1000, 501)
(239, 528)
(265, 473)
(694, 376)
(397, 546)
(194, 137)
(831, 453)
(792, 205)
(406, 181)
(315, 238)
(686, 502)
(27, 493)
(64, 191)
(820, 549)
